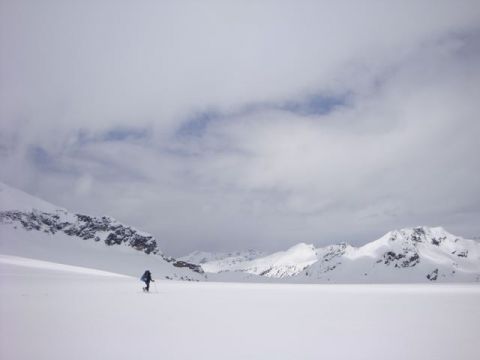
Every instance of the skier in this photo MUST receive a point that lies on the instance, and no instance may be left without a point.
(146, 278)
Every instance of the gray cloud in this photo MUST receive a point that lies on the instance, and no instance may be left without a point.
(222, 126)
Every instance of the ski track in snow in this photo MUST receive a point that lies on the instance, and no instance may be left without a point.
(108, 317)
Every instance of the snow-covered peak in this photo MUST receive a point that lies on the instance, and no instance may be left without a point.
(405, 255)
(298, 254)
(419, 234)
(279, 264)
(406, 238)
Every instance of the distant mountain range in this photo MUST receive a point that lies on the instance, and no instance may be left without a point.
(35, 228)
(408, 255)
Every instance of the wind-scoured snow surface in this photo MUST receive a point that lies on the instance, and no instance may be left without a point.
(52, 311)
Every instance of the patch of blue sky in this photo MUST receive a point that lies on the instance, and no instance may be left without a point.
(314, 105)
(39, 155)
(117, 134)
(46, 162)
(198, 123)
(76, 163)
(125, 134)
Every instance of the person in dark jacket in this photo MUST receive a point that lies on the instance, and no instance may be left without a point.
(146, 278)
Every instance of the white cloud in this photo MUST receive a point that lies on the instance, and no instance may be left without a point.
(93, 96)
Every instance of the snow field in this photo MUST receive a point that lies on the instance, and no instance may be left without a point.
(50, 313)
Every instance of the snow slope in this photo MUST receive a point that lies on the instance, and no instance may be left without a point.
(43, 231)
(39, 264)
(49, 313)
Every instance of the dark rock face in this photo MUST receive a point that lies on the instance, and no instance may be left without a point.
(87, 227)
(418, 234)
(390, 257)
(403, 260)
(264, 273)
(411, 261)
(433, 275)
(332, 258)
(463, 253)
(460, 253)
(334, 251)
(194, 267)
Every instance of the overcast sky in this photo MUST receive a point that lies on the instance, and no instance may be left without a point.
(221, 125)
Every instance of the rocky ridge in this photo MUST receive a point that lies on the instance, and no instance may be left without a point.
(99, 229)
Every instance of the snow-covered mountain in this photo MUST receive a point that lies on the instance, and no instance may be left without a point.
(278, 265)
(31, 227)
(35, 228)
(408, 255)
